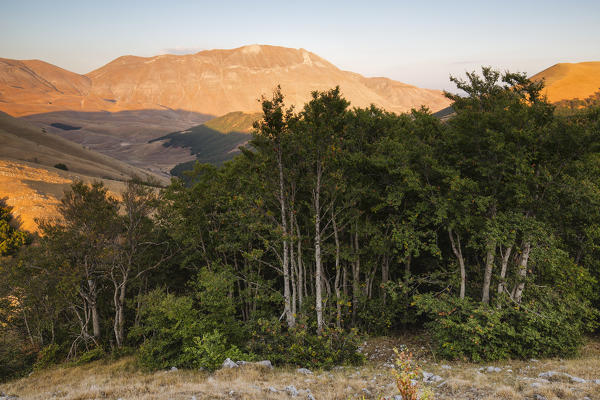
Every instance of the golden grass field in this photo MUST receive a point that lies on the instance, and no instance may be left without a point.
(122, 380)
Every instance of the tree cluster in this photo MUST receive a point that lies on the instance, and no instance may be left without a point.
(484, 228)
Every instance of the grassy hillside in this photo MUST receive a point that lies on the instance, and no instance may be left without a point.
(213, 142)
(23, 141)
(517, 379)
(30, 180)
(566, 81)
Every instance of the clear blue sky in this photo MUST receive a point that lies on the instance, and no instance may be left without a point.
(415, 42)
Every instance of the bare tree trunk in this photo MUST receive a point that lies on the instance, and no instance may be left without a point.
(522, 273)
(489, 266)
(294, 277)
(318, 277)
(301, 275)
(92, 296)
(338, 299)
(504, 267)
(291, 321)
(457, 249)
(385, 273)
(355, 280)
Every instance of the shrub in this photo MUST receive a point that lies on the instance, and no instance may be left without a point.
(16, 355)
(61, 166)
(543, 327)
(210, 350)
(91, 355)
(299, 346)
(168, 325)
(47, 357)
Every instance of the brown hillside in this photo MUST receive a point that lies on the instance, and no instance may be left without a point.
(33, 86)
(212, 82)
(29, 180)
(220, 81)
(567, 81)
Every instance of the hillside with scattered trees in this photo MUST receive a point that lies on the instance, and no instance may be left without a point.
(335, 223)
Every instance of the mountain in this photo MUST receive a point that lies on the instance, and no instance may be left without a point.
(30, 179)
(33, 86)
(220, 81)
(566, 81)
(121, 107)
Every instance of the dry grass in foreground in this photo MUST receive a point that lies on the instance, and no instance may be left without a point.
(121, 379)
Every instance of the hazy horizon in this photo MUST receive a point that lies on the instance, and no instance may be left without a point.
(412, 43)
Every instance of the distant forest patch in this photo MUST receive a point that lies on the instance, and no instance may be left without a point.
(65, 127)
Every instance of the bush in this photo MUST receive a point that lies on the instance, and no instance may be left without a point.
(168, 325)
(91, 355)
(16, 355)
(298, 346)
(61, 166)
(47, 357)
(210, 350)
(544, 327)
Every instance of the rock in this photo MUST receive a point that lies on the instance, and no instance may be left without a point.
(173, 369)
(493, 369)
(231, 392)
(304, 371)
(310, 397)
(446, 367)
(272, 389)
(388, 365)
(596, 381)
(428, 377)
(367, 392)
(265, 363)
(193, 398)
(229, 364)
(552, 374)
(398, 397)
(291, 390)
(538, 397)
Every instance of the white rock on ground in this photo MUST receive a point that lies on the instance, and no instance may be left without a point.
(304, 371)
(229, 364)
(291, 390)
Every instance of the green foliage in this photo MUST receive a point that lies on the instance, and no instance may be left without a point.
(17, 355)
(210, 350)
(548, 326)
(11, 239)
(299, 346)
(48, 356)
(215, 304)
(168, 325)
(93, 354)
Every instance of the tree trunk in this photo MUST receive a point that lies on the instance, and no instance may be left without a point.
(318, 277)
(355, 280)
(503, 269)
(286, 263)
(92, 296)
(385, 272)
(457, 249)
(489, 266)
(522, 273)
(338, 297)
